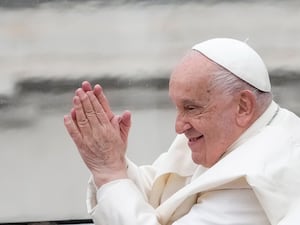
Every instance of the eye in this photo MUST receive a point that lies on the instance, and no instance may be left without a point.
(189, 107)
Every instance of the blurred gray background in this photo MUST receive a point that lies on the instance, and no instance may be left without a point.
(47, 48)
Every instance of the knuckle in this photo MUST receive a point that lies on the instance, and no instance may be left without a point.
(83, 122)
(100, 116)
(90, 114)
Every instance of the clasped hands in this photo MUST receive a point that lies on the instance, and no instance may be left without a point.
(100, 136)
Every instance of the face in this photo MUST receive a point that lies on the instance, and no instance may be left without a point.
(204, 114)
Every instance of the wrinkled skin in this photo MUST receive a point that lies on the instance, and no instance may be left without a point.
(206, 116)
(210, 120)
(100, 136)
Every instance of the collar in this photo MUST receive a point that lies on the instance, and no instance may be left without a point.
(264, 120)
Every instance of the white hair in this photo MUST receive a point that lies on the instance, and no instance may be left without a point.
(229, 84)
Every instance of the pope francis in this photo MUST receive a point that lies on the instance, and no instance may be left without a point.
(235, 161)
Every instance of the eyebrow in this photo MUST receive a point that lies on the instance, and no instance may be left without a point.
(188, 102)
(198, 103)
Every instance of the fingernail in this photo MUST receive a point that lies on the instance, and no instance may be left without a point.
(98, 86)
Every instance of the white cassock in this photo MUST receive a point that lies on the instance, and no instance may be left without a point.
(257, 182)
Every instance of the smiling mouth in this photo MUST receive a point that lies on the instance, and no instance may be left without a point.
(194, 139)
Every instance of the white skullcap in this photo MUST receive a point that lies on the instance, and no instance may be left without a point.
(239, 59)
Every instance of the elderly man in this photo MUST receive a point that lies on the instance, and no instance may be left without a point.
(236, 159)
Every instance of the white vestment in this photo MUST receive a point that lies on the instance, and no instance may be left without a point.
(257, 182)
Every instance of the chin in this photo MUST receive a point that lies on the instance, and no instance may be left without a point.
(202, 162)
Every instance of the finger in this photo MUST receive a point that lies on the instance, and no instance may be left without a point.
(82, 121)
(73, 114)
(125, 125)
(100, 113)
(86, 86)
(123, 121)
(126, 119)
(98, 91)
(88, 108)
(73, 130)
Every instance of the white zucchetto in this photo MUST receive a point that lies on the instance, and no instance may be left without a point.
(239, 58)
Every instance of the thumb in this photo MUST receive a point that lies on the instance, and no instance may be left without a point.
(126, 119)
(125, 124)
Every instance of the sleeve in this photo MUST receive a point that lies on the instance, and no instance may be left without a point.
(120, 202)
(141, 177)
(126, 201)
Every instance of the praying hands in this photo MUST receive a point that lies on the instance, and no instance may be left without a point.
(100, 136)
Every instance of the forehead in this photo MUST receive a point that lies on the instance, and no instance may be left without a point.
(191, 78)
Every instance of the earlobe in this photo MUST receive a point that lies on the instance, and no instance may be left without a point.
(245, 109)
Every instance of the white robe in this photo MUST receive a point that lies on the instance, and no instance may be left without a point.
(256, 182)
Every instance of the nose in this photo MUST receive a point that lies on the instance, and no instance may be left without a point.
(181, 124)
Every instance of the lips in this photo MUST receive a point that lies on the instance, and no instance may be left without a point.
(194, 139)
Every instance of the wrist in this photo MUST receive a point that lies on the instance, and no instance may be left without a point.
(101, 178)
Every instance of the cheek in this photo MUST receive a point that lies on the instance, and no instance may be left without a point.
(224, 132)
(220, 128)
(200, 124)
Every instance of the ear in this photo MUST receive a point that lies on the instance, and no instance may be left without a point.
(245, 110)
